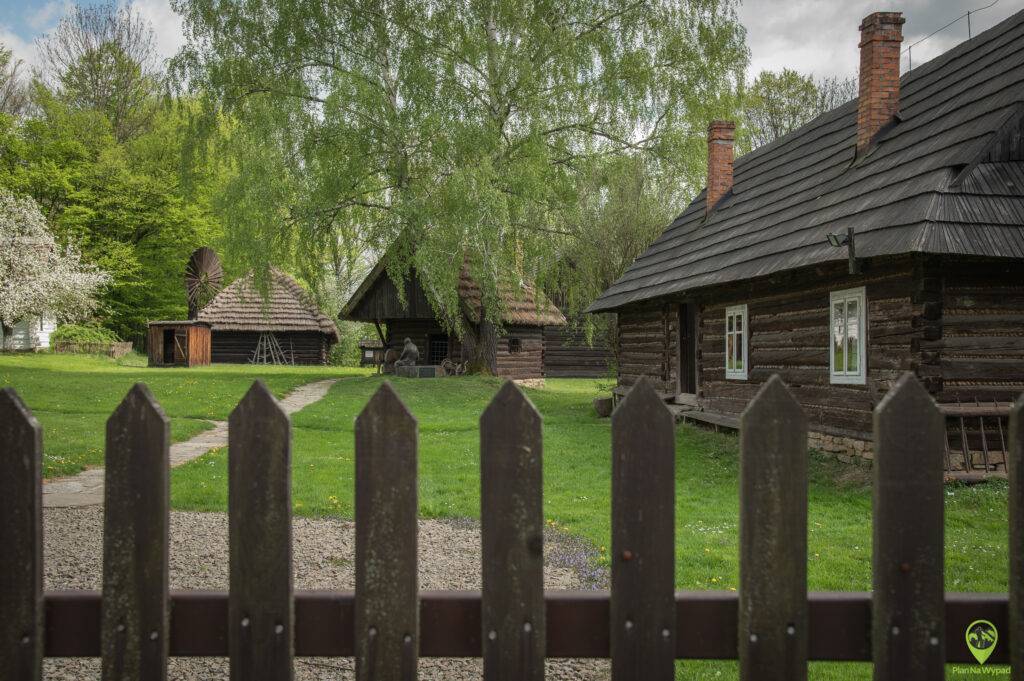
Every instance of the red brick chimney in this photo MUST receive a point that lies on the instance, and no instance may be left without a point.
(880, 36)
(720, 137)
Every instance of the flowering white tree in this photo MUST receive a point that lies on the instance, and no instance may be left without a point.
(36, 275)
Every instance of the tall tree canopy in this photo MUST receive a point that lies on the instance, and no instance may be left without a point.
(450, 133)
(778, 103)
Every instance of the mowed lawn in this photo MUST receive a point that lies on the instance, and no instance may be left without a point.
(72, 396)
(577, 486)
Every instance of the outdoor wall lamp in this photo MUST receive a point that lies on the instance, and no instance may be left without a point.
(838, 240)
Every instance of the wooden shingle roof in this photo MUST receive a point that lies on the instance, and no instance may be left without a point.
(937, 181)
(241, 307)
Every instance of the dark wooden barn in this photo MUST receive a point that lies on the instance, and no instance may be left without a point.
(239, 317)
(178, 343)
(520, 350)
(568, 353)
(884, 236)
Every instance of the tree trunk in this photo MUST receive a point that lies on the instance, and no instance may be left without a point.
(484, 351)
(8, 333)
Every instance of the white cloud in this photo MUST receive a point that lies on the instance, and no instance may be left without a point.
(820, 37)
(21, 49)
(168, 29)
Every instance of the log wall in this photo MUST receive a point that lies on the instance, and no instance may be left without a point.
(237, 347)
(528, 362)
(567, 354)
(789, 335)
(647, 337)
(979, 350)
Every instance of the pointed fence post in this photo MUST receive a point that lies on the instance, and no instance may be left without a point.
(387, 598)
(21, 540)
(260, 607)
(136, 498)
(643, 614)
(512, 535)
(1015, 470)
(908, 637)
(773, 537)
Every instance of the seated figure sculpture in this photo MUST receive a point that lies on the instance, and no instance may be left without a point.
(410, 354)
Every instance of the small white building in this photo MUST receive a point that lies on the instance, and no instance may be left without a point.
(31, 333)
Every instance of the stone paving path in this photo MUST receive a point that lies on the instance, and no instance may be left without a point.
(86, 488)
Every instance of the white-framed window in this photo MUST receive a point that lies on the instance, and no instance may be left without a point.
(847, 330)
(736, 342)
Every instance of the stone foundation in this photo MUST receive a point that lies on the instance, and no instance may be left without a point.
(846, 449)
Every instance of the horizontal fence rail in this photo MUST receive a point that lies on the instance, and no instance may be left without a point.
(908, 626)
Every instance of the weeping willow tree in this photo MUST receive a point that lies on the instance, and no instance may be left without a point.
(449, 135)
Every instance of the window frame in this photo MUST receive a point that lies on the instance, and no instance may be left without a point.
(515, 345)
(743, 334)
(846, 377)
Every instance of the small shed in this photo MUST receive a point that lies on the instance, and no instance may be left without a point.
(371, 352)
(243, 321)
(179, 343)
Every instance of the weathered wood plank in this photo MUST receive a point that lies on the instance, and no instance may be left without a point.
(643, 537)
(1015, 472)
(136, 515)
(908, 630)
(387, 606)
(512, 537)
(260, 609)
(21, 536)
(773, 630)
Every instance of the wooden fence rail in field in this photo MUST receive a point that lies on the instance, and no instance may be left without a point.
(907, 625)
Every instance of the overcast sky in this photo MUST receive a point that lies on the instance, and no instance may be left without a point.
(811, 36)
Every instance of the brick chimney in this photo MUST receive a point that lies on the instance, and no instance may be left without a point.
(880, 36)
(720, 137)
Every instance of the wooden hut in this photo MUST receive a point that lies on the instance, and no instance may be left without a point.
(884, 236)
(520, 349)
(178, 343)
(371, 352)
(242, 322)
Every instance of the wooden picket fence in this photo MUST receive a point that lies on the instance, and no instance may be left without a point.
(908, 626)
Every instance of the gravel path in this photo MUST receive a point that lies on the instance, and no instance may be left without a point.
(86, 488)
(449, 558)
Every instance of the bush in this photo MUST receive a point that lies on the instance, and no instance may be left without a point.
(346, 351)
(83, 333)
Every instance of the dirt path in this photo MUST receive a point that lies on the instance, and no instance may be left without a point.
(86, 488)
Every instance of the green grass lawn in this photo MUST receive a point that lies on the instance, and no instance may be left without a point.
(577, 485)
(72, 396)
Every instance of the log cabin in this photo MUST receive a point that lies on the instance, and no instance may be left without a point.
(520, 346)
(884, 236)
(238, 316)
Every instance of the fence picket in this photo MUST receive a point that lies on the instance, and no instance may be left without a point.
(260, 609)
(643, 618)
(21, 536)
(1015, 471)
(773, 536)
(387, 607)
(908, 627)
(512, 536)
(136, 498)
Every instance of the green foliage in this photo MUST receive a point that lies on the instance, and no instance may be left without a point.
(123, 204)
(83, 333)
(443, 132)
(346, 351)
(778, 103)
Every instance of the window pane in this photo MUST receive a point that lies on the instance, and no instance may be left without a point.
(728, 323)
(852, 335)
(730, 362)
(739, 353)
(739, 323)
(838, 337)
